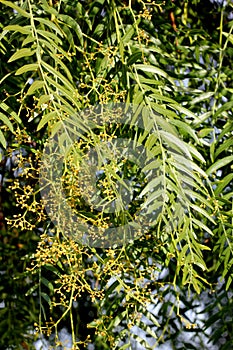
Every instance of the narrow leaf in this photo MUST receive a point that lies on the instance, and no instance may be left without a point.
(36, 85)
(46, 298)
(32, 289)
(74, 25)
(7, 109)
(195, 153)
(45, 119)
(47, 284)
(6, 121)
(202, 97)
(2, 139)
(43, 100)
(203, 226)
(16, 8)
(27, 68)
(219, 164)
(130, 32)
(224, 146)
(226, 106)
(49, 36)
(17, 28)
(204, 132)
(49, 24)
(52, 269)
(223, 183)
(134, 57)
(184, 110)
(25, 52)
(229, 281)
(187, 128)
(55, 73)
(153, 70)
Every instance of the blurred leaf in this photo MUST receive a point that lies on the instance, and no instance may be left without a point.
(16, 8)
(6, 121)
(2, 139)
(17, 28)
(36, 85)
(46, 118)
(219, 164)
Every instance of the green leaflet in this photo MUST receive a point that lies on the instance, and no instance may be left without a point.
(49, 36)
(46, 119)
(46, 298)
(225, 146)
(53, 269)
(203, 212)
(204, 132)
(175, 142)
(226, 130)
(184, 110)
(162, 110)
(228, 36)
(8, 110)
(50, 25)
(202, 97)
(25, 52)
(36, 85)
(48, 8)
(223, 183)
(130, 32)
(117, 320)
(6, 121)
(203, 226)
(219, 164)
(134, 57)
(43, 100)
(2, 139)
(47, 283)
(154, 70)
(17, 28)
(186, 128)
(28, 40)
(73, 24)
(226, 106)
(198, 120)
(195, 153)
(27, 68)
(61, 89)
(32, 289)
(16, 8)
(57, 74)
(125, 346)
(229, 282)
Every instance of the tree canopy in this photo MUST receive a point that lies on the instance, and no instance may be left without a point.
(116, 173)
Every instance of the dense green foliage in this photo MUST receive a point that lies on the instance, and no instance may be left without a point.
(171, 61)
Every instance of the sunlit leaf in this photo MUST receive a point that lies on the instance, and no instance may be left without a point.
(2, 139)
(219, 164)
(154, 70)
(27, 68)
(18, 28)
(21, 53)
